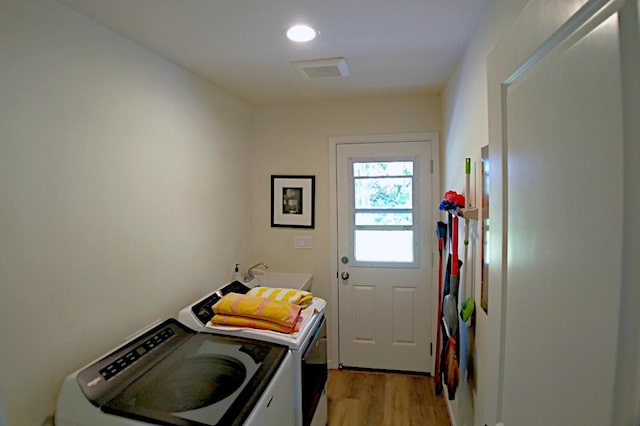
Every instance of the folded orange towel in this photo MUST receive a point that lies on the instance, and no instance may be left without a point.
(236, 321)
(297, 297)
(276, 311)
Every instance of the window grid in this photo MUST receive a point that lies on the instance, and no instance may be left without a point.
(395, 216)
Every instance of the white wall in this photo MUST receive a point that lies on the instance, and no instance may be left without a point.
(627, 391)
(130, 187)
(465, 132)
(3, 421)
(608, 122)
(123, 196)
(293, 138)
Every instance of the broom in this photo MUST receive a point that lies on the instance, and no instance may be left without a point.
(441, 232)
(453, 371)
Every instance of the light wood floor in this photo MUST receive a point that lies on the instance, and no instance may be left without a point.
(371, 398)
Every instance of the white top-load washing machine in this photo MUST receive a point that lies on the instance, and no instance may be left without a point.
(307, 346)
(172, 375)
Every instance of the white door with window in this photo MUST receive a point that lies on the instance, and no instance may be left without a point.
(384, 220)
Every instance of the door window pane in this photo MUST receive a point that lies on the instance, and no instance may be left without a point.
(384, 218)
(383, 168)
(383, 193)
(384, 212)
(384, 246)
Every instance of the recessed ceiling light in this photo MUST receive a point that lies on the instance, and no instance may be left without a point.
(301, 33)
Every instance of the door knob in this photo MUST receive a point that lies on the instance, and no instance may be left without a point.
(344, 275)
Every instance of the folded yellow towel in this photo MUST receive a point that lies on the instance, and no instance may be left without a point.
(276, 311)
(236, 321)
(297, 297)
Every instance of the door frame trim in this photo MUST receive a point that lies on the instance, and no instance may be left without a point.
(334, 141)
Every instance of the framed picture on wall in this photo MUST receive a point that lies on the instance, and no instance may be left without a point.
(293, 201)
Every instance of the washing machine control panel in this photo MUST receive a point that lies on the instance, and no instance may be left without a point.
(103, 378)
(203, 310)
(128, 359)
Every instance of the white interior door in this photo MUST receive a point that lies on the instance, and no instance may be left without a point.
(384, 200)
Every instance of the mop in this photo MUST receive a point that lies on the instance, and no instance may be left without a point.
(468, 306)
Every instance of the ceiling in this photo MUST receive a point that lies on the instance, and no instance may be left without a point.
(391, 47)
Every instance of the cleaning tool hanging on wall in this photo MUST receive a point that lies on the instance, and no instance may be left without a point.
(441, 233)
(467, 308)
(451, 304)
(468, 305)
(452, 203)
(452, 377)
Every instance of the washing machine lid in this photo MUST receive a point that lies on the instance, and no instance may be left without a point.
(186, 378)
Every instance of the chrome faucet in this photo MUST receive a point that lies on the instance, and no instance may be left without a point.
(249, 275)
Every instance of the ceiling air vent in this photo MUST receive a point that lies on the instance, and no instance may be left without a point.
(322, 68)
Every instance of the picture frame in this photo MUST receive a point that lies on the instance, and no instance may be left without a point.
(293, 201)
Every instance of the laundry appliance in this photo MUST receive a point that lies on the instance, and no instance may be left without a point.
(308, 348)
(173, 375)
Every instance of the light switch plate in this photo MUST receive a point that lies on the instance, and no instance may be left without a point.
(302, 242)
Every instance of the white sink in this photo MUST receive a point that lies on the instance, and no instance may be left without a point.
(301, 281)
